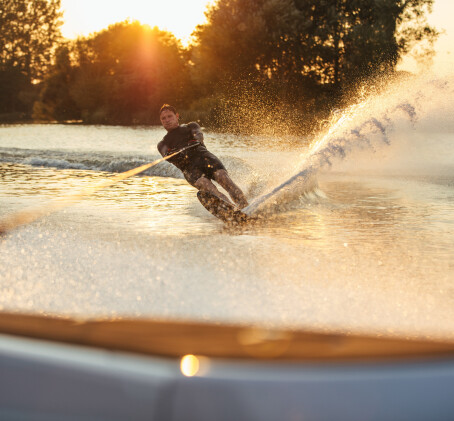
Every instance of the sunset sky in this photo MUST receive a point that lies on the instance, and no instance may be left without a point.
(182, 16)
(178, 16)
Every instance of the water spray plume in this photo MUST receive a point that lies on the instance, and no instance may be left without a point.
(370, 125)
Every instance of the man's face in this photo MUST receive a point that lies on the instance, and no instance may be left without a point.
(169, 120)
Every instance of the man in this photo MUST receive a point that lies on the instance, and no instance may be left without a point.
(199, 166)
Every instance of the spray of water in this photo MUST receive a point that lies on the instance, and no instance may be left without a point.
(363, 134)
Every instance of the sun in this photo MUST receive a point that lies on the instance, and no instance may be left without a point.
(82, 17)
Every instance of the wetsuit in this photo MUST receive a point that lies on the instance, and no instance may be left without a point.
(195, 162)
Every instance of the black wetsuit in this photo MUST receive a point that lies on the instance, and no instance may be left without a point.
(195, 162)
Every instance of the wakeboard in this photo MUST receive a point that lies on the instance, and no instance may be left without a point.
(221, 209)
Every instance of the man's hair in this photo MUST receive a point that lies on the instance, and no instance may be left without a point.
(167, 107)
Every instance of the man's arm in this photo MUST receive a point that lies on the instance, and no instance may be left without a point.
(162, 148)
(196, 132)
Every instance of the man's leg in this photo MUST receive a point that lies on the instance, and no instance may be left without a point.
(205, 184)
(223, 178)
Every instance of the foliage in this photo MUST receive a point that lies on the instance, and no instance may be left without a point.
(256, 65)
(29, 33)
(245, 54)
(356, 39)
(125, 73)
(55, 101)
(304, 53)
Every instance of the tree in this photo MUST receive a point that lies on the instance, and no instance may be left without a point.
(249, 56)
(241, 39)
(331, 41)
(29, 31)
(55, 101)
(356, 39)
(306, 51)
(126, 72)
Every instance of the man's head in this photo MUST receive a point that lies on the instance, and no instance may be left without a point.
(169, 117)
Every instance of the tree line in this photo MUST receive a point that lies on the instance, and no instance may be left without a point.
(253, 66)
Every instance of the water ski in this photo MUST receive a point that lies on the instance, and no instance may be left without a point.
(221, 209)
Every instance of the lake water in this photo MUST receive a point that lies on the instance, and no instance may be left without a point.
(357, 235)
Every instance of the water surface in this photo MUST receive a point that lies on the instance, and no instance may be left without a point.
(368, 246)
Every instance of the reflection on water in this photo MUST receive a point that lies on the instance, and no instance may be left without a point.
(153, 204)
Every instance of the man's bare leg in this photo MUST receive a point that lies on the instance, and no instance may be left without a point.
(223, 178)
(205, 184)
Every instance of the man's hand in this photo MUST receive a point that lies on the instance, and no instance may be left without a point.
(170, 151)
